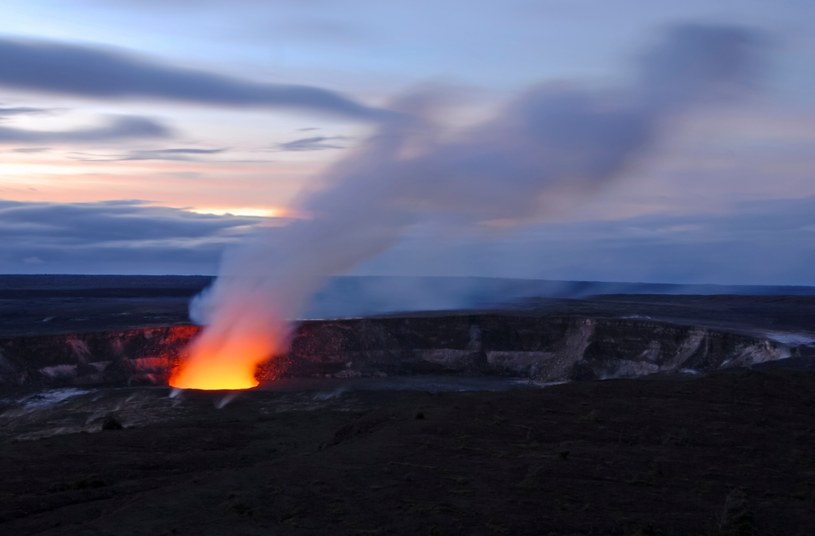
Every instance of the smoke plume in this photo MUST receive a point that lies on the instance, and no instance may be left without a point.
(550, 139)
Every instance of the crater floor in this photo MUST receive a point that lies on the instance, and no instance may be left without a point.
(728, 453)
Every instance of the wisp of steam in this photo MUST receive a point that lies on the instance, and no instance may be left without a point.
(549, 139)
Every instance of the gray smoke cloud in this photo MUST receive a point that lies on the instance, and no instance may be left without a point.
(412, 170)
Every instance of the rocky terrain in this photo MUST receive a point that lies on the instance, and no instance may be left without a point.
(543, 347)
(413, 423)
(118, 331)
(728, 453)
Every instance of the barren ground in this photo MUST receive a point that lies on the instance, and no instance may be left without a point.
(731, 453)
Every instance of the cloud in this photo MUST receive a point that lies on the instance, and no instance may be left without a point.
(8, 111)
(30, 150)
(117, 128)
(98, 73)
(760, 242)
(184, 154)
(109, 221)
(315, 143)
(180, 153)
(714, 60)
(113, 237)
(331, 31)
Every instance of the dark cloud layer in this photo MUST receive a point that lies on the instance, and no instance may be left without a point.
(762, 242)
(107, 221)
(88, 72)
(183, 154)
(7, 111)
(177, 153)
(30, 150)
(315, 143)
(112, 237)
(117, 128)
(767, 242)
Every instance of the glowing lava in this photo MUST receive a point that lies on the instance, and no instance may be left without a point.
(242, 330)
(218, 373)
(217, 363)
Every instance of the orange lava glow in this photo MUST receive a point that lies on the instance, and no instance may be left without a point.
(215, 365)
(214, 375)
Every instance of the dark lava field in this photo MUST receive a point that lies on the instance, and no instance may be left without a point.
(724, 452)
(728, 453)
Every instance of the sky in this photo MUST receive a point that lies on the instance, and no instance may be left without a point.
(148, 137)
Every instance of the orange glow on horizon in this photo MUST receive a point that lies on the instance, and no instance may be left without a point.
(272, 212)
(56, 177)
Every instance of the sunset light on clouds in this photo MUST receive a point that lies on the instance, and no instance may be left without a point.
(147, 137)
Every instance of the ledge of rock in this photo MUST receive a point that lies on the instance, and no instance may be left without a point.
(539, 347)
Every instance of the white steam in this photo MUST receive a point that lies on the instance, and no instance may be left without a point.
(547, 141)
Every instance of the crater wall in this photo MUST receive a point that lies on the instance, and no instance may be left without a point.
(538, 347)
